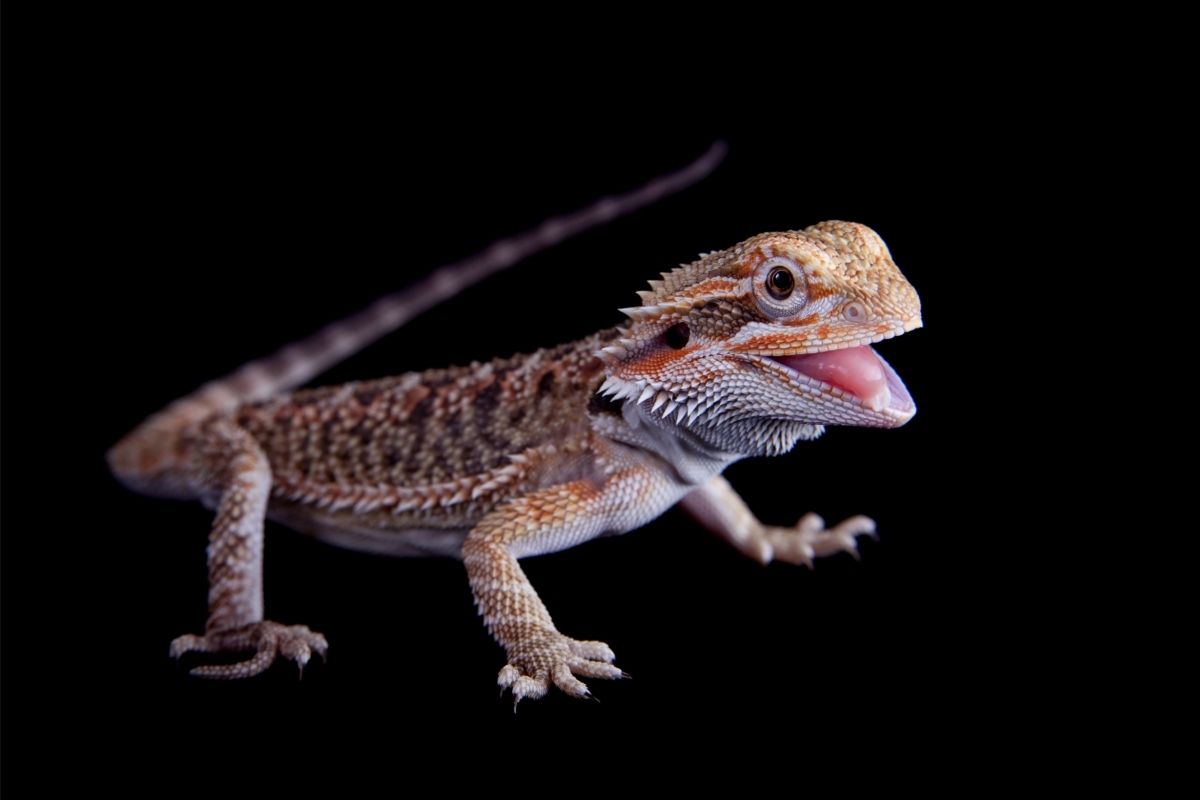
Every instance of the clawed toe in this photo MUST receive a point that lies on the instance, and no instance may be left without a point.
(842, 537)
(592, 651)
(811, 539)
(560, 662)
(268, 640)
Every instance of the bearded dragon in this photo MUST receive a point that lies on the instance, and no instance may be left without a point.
(744, 352)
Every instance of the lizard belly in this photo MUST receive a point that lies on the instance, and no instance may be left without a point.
(368, 535)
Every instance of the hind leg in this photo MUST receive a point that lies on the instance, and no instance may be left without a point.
(235, 470)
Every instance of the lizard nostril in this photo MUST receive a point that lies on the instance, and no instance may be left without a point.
(855, 312)
(678, 335)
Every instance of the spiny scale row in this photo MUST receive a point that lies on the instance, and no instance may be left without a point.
(682, 407)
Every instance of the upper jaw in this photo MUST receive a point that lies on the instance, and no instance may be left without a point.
(824, 338)
(864, 388)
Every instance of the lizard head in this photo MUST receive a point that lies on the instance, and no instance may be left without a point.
(758, 346)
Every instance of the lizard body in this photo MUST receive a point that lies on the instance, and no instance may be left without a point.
(743, 352)
(393, 460)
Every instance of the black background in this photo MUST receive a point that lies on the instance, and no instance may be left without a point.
(195, 203)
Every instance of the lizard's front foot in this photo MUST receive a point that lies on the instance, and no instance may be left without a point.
(268, 640)
(810, 539)
(549, 657)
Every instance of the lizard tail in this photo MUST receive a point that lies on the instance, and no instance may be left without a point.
(145, 457)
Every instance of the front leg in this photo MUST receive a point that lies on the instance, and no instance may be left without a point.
(545, 521)
(720, 509)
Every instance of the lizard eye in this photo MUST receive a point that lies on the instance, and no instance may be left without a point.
(779, 287)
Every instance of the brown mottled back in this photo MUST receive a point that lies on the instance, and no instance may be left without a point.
(428, 427)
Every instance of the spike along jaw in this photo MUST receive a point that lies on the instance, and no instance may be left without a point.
(756, 347)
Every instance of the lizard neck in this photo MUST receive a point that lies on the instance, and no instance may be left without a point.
(754, 436)
(693, 459)
(701, 446)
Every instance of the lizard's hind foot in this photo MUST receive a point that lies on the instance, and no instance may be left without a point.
(268, 640)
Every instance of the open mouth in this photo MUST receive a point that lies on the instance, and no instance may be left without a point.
(858, 371)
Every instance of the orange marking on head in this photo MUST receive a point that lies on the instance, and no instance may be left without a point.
(753, 259)
(816, 291)
(823, 332)
(720, 285)
(805, 320)
(656, 362)
(770, 342)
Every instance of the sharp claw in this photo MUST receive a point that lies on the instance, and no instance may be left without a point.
(529, 675)
(267, 640)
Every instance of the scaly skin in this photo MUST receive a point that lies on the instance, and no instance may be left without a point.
(533, 454)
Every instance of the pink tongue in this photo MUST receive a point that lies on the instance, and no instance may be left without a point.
(858, 370)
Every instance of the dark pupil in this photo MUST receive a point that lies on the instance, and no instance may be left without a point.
(780, 282)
